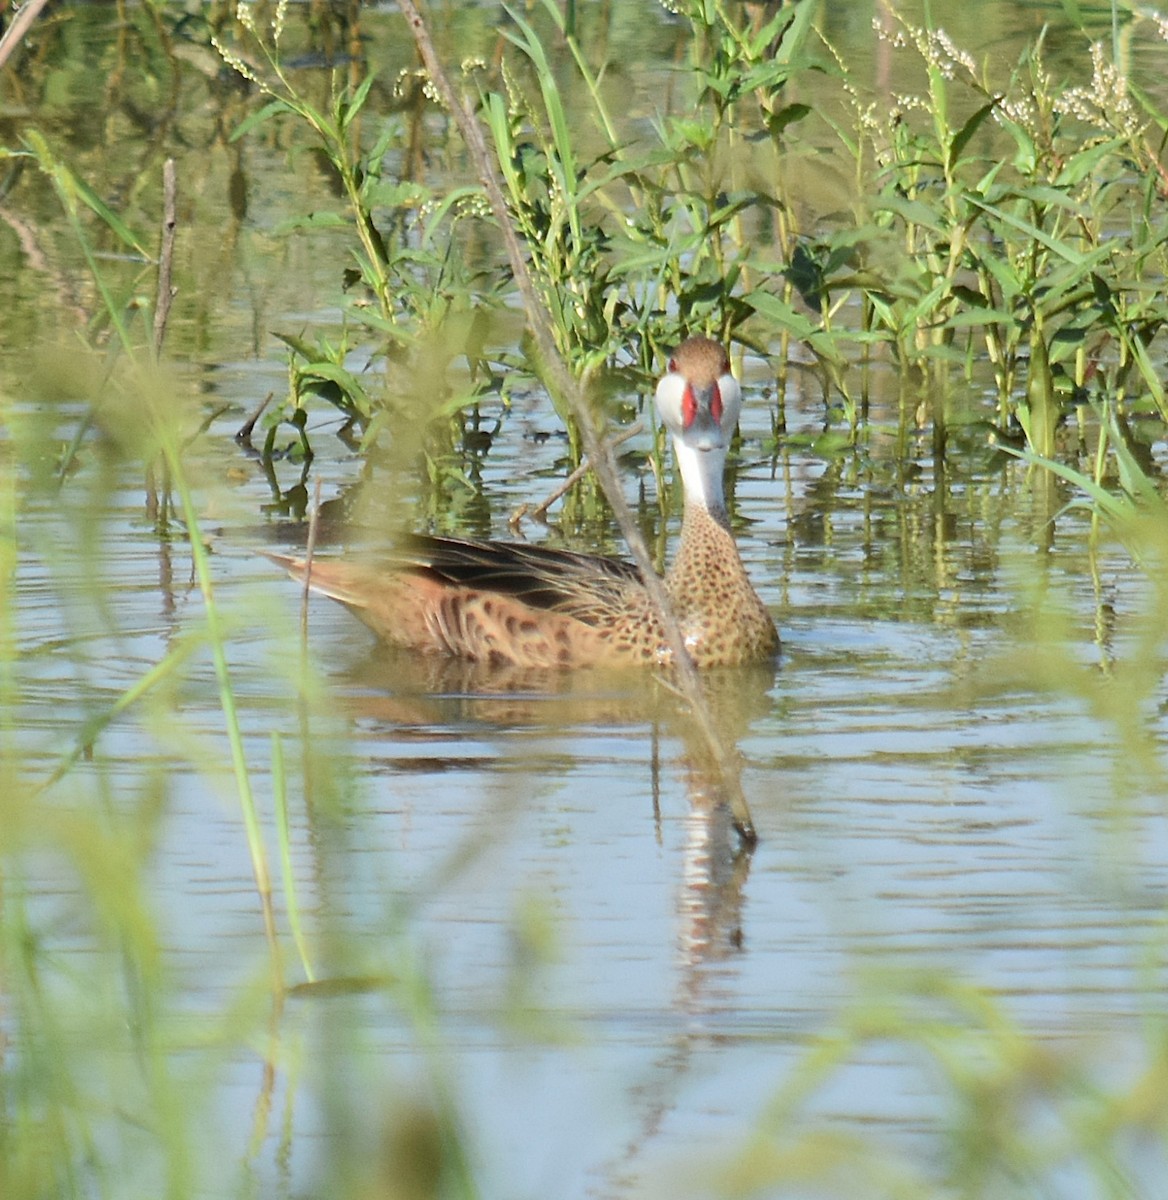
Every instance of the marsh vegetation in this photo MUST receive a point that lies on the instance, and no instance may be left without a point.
(284, 916)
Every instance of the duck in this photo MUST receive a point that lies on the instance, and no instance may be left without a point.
(534, 606)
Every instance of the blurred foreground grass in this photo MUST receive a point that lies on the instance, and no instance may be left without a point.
(113, 1060)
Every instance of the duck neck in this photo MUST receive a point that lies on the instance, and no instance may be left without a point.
(701, 476)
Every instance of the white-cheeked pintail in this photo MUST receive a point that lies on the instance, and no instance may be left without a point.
(533, 606)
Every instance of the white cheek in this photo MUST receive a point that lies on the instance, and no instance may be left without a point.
(670, 392)
(731, 395)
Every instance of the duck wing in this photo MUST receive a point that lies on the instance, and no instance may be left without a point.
(543, 577)
(532, 606)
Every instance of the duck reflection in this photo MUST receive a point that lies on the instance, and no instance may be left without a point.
(411, 692)
(432, 693)
(425, 695)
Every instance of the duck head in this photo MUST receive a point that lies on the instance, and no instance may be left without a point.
(699, 401)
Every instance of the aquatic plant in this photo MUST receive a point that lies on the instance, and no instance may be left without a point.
(986, 227)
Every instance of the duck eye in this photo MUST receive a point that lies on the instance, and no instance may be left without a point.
(673, 364)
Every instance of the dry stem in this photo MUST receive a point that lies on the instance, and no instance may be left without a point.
(21, 24)
(573, 392)
(166, 290)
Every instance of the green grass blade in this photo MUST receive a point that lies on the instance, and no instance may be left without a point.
(1118, 509)
(565, 165)
(283, 833)
(72, 188)
(179, 654)
(1055, 245)
(217, 641)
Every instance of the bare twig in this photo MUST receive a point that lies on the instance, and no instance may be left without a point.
(309, 553)
(166, 291)
(539, 511)
(248, 427)
(155, 506)
(572, 391)
(15, 32)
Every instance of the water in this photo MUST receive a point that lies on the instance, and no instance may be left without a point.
(962, 847)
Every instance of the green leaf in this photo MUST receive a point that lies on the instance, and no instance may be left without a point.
(1061, 248)
(91, 199)
(255, 119)
(772, 31)
(1119, 509)
(1074, 13)
(781, 313)
(913, 211)
(500, 127)
(797, 33)
(1132, 477)
(832, 442)
(305, 349)
(392, 193)
(1148, 372)
(1002, 272)
(552, 8)
(348, 383)
(72, 187)
(565, 167)
(348, 110)
(441, 211)
(767, 77)
(971, 126)
(968, 318)
(1025, 148)
(776, 122)
(1084, 162)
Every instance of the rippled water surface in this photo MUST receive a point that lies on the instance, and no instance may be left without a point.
(620, 990)
(523, 896)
